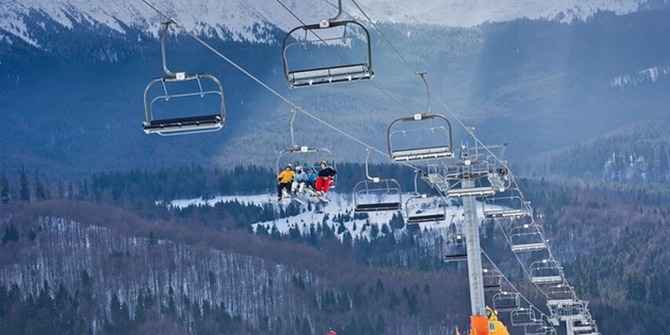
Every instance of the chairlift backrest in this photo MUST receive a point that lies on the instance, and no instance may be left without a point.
(419, 137)
(527, 237)
(186, 89)
(333, 69)
(506, 301)
(421, 208)
(376, 194)
(455, 248)
(546, 271)
(523, 316)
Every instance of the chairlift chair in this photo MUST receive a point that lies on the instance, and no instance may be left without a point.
(185, 88)
(492, 280)
(526, 237)
(523, 316)
(575, 310)
(376, 194)
(419, 137)
(509, 204)
(421, 208)
(546, 271)
(455, 249)
(506, 301)
(560, 294)
(335, 67)
(304, 155)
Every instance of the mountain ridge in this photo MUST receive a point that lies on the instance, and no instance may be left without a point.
(240, 20)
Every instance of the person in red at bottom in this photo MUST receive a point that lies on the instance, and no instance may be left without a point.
(332, 332)
(325, 175)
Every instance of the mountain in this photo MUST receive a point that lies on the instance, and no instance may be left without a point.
(73, 74)
(243, 20)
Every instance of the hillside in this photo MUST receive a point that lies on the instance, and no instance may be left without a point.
(58, 242)
(537, 85)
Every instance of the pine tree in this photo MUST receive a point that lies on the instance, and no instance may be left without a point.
(24, 191)
(40, 191)
(4, 188)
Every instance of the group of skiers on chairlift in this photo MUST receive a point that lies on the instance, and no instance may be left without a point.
(294, 182)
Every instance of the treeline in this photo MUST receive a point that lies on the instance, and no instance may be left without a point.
(638, 154)
(184, 182)
(610, 238)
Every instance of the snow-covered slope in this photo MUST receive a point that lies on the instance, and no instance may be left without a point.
(247, 20)
(339, 204)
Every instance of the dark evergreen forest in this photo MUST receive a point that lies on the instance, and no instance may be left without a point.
(610, 237)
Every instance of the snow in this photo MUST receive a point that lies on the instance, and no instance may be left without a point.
(339, 204)
(652, 75)
(241, 17)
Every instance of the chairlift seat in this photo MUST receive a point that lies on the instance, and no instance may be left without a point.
(374, 207)
(506, 301)
(328, 75)
(470, 191)
(546, 279)
(529, 247)
(504, 212)
(184, 124)
(422, 153)
(455, 258)
(425, 217)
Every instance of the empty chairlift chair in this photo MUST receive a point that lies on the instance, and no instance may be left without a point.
(182, 103)
(455, 249)
(526, 237)
(419, 137)
(508, 204)
(546, 271)
(492, 280)
(423, 208)
(506, 301)
(560, 294)
(523, 316)
(376, 194)
(330, 51)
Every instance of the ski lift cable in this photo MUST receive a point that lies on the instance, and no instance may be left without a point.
(260, 82)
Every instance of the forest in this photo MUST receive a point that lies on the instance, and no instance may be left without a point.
(610, 237)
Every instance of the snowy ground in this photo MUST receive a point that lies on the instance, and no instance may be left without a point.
(343, 204)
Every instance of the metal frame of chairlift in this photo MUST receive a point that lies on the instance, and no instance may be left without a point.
(456, 249)
(418, 198)
(434, 151)
(560, 294)
(301, 150)
(506, 206)
(539, 328)
(469, 167)
(546, 271)
(492, 280)
(413, 218)
(522, 316)
(187, 124)
(575, 310)
(526, 237)
(329, 74)
(506, 301)
(375, 186)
